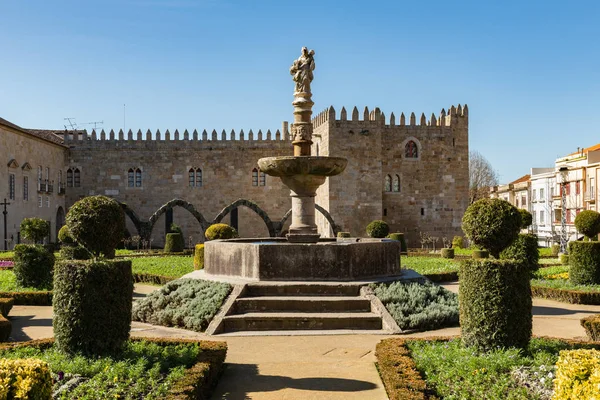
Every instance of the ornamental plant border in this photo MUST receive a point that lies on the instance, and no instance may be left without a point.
(198, 381)
(566, 295)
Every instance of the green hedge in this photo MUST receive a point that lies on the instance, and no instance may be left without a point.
(458, 242)
(495, 304)
(399, 236)
(174, 243)
(585, 263)
(566, 295)
(92, 305)
(524, 248)
(220, 231)
(68, 252)
(26, 378)
(199, 257)
(479, 254)
(447, 253)
(33, 266)
(378, 229)
(591, 325)
(5, 325)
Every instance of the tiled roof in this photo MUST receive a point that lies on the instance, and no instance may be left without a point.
(524, 178)
(48, 135)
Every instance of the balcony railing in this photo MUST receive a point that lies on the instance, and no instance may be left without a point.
(42, 186)
(49, 188)
(61, 188)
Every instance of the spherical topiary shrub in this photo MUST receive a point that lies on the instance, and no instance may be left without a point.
(526, 218)
(495, 304)
(492, 224)
(64, 236)
(220, 231)
(399, 236)
(92, 306)
(378, 229)
(343, 234)
(34, 229)
(174, 243)
(525, 249)
(588, 223)
(584, 259)
(199, 256)
(97, 223)
(447, 253)
(458, 242)
(33, 266)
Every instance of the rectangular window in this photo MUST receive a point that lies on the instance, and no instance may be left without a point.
(25, 188)
(47, 201)
(47, 173)
(542, 195)
(198, 177)
(130, 178)
(11, 186)
(138, 178)
(552, 191)
(40, 201)
(568, 187)
(523, 201)
(191, 177)
(568, 216)
(577, 187)
(533, 195)
(592, 189)
(534, 218)
(263, 179)
(542, 217)
(77, 180)
(255, 177)
(69, 177)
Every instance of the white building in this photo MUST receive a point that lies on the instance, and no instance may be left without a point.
(543, 187)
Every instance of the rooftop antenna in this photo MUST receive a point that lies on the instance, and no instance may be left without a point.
(71, 122)
(95, 123)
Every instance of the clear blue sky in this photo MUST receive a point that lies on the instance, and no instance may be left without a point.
(529, 70)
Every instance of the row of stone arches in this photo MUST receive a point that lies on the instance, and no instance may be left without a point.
(275, 228)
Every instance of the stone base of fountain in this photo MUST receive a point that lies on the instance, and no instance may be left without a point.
(276, 259)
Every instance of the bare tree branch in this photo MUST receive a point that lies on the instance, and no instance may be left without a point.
(481, 177)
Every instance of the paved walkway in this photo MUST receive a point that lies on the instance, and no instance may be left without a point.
(304, 367)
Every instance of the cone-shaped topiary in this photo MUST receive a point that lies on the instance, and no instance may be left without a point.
(35, 229)
(378, 229)
(588, 223)
(97, 223)
(526, 218)
(220, 231)
(174, 243)
(492, 224)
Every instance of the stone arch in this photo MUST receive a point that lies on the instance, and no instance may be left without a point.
(60, 220)
(320, 209)
(254, 207)
(140, 226)
(204, 224)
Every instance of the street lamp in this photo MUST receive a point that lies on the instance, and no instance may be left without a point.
(564, 172)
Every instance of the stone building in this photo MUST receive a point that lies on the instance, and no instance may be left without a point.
(414, 175)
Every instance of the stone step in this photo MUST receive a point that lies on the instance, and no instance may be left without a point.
(255, 290)
(307, 304)
(301, 321)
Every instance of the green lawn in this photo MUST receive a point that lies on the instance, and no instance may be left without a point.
(7, 255)
(430, 265)
(173, 266)
(8, 283)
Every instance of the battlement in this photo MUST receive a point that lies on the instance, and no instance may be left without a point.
(378, 117)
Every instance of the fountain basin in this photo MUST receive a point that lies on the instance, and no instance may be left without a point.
(302, 165)
(276, 259)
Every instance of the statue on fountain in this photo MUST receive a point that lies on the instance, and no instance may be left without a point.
(302, 70)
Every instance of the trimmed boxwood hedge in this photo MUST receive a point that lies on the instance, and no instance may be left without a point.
(76, 252)
(399, 236)
(220, 231)
(524, 248)
(566, 295)
(378, 229)
(447, 253)
(495, 304)
(174, 243)
(199, 257)
(5, 325)
(585, 263)
(33, 266)
(92, 305)
(591, 325)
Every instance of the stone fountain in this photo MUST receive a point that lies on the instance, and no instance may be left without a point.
(302, 255)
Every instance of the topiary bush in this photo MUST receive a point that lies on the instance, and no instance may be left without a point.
(555, 250)
(220, 231)
(399, 237)
(588, 223)
(174, 243)
(25, 378)
(584, 259)
(447, 253)
(591, 324)
(343, 234)
(458, 242)
(64, 236)
(492, 224)
(478, 254)
(199, 257)
(35, 229)
(564, 259)
(495, 304)
(73, 253)
(33, 266)
(526, 218)
(97, 223)
(378, 229)
(525, 249)
(92, 306)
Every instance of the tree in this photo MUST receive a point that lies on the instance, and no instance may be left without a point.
(35, 229)
(481, 177)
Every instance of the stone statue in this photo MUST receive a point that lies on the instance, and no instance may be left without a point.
(302, 70)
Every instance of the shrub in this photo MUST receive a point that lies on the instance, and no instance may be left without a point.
(6, 305)
(199, 256)
(174, 243)
(495, 304)
(97, 223)
(5, 325)
(591, 324)
(458, 242)
(477, 254)
(399, 237)
(74, 253)
(64, 236)
(33, 266)
(447, 253)
(35, 229)
(555, 250)
(525, 249)
(92, 306)
(564, 259)
(417, 305)
(378, 229)
(585, 263)
(187, 303)
(25, 379)
(492, 224)
(526, 218)
(343, 234)
(588, 223)
(220, 231)
(174, 228)
(577, 375)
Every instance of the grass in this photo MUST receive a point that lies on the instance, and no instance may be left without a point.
(144, 370)
(8, 283)
(7, 255)
(430, 265)
(172, 266)
(455, 372)
(549, 261)
(554, 277)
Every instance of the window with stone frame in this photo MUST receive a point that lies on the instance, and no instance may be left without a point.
(411, 150)
(387, 184)
(76, 178)
(198, 177)
(40, 201)
(11, 186)
(262, 178)
(533, 193)
(70, 177)
(138, 177)
(254, 177)
(396, 183)
(131, 177)
(542, 218)
(195, 177)
(25, 188)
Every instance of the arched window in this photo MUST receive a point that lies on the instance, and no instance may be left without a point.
(263, 179)
(69, 177)
(411, 150)
(396, 183)
(387, 185)
(76, 178)
(138, 177)
(192, 177)
(254, 177)
(198, 177)
(131, 177)
(195, 177)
